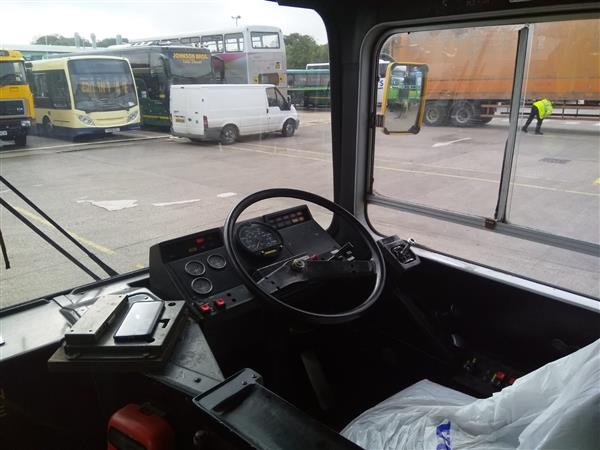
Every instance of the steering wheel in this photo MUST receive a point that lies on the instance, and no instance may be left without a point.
(305, 268)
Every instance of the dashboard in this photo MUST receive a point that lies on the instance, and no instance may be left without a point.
(197, 269)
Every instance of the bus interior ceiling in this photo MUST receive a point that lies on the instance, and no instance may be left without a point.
(463, 312)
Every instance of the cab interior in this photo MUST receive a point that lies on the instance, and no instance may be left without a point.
(317, 349)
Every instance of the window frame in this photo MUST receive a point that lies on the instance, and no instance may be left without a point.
(214, 38)
(49, 102)
(239, 39)
(268, 91)
(364, 194)
(261, 34)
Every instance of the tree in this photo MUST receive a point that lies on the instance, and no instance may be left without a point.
(302, 49)
(55, 39)
(110, 41)
(58, 39)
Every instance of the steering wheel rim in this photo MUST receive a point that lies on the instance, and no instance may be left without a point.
(310, 316)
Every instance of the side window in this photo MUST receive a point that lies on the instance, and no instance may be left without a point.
(157, 82)
(185, 41)
(281, 102)
(272, 97)
(59, 90)
(41, 96)
(234, 42)
(261, 39)
(214, 43)
(511, 180)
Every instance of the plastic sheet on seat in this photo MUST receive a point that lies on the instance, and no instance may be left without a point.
(554, 407)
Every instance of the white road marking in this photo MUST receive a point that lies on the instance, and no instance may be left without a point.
(597, 124)
(443, 144)
(571, 123)
(226, 194)
(180, 202)
(111, 205)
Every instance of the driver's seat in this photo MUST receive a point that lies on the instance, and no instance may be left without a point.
(555, 407)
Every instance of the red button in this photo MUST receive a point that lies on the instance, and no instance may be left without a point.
(500, 376)
(205, 308)
(220, 303)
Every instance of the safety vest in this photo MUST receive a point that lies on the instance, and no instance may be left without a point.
(544, 107)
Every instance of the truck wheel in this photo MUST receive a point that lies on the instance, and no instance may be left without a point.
(21, 141)
(229, 134)
(48, 127)
(289, 127)
(436, 114)
(462, 114)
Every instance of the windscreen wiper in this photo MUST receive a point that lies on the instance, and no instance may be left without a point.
(109, 270)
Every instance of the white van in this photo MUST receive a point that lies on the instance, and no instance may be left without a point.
(226, 111)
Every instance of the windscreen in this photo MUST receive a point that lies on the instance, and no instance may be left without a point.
(125, 183)
(12, 72)
(102, 85)
(190, 67)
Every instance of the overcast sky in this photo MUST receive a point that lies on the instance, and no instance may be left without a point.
(30, 19)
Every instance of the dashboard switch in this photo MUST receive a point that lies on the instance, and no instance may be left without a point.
(220, 303)
(204, 308)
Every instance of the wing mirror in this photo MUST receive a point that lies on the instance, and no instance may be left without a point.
(403, 101)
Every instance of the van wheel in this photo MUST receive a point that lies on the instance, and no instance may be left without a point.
(21, 141)
(229, 134)
(289, 127)
(48, 127)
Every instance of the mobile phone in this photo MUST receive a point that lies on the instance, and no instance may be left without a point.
(139, 322)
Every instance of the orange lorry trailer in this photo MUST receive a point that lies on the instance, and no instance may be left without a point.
(471, 70)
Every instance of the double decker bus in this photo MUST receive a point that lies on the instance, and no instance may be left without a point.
(309, 88)
(83, 95)
(252, 55)
(156, 68)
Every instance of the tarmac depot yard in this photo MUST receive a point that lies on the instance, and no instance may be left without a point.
(122, 193)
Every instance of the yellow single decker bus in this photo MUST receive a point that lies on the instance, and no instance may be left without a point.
(84, 95)
(16, 102)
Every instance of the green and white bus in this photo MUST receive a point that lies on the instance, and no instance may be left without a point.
(309, 88)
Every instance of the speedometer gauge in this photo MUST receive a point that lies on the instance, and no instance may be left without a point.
(259, 239)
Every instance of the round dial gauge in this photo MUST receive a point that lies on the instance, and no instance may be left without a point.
(202, 285)
(217, 262)
(259, 239)
(195, 268)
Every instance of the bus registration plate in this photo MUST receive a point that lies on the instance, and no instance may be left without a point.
(112, 130)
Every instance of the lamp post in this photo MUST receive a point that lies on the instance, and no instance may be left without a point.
(236, 18)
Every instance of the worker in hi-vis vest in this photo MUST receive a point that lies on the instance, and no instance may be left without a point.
(540, 110)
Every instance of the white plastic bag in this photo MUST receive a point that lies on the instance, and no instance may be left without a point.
(554, 407)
